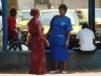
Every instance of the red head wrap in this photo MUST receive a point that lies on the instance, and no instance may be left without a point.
(34, 12)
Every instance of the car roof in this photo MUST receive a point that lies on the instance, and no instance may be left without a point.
(49, 10)
(85, 9)
(46, 10)
(24, 10)
(55, 10)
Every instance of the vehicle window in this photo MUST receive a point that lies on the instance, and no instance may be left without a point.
(24, 16)
(98, 14)
(85, 15)
(73, 16)
(47, 16)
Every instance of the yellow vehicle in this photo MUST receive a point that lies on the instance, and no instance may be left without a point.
(84, 18)
(45, 17)
(22, 19)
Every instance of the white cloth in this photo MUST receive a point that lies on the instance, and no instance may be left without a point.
(86, 37)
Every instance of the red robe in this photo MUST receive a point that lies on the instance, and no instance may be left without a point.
(11, 27)
(38, 65)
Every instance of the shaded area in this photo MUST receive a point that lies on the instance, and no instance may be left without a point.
(19, 62)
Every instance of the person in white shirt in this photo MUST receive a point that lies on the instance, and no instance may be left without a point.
(86, 39)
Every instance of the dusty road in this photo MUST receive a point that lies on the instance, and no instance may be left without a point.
(72, 74)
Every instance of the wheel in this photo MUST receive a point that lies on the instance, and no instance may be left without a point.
(12, 46)
(18, 47)
(23, 47)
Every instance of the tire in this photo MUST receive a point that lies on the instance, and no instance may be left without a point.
(20, 47)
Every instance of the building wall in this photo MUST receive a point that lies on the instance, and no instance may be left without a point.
(25, 4)
(98, 3)
(28, 4)
(75, 3)
(12, 4)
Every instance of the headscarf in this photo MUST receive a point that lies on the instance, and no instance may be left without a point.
(35, 12)
(13, 12)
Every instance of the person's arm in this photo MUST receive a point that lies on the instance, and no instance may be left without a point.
(48, 33)
(68, 40)
(41, 35)
(68, 30)
(51, 24)
(29, 34)
(28, 38)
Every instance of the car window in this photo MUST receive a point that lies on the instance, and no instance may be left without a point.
(85, 14)
(46, 17)
(98, 13)
(24, 16)
(73, 16)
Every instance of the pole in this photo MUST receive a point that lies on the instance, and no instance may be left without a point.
(5, 26)
(92, 15)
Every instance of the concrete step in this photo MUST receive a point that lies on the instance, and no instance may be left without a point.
(77, 61)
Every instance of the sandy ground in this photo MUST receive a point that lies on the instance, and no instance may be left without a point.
(70, 73)
(73, 74)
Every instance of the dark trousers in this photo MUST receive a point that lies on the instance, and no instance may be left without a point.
(84, 52)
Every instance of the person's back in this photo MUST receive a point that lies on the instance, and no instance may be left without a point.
(86, 40)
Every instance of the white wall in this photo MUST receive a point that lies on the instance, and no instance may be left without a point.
(98, 3)
(28, 4)
(25, 4)
(75, 3)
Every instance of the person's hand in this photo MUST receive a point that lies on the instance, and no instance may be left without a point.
(27, 42)
(28, 39)
(45, 35)
(16, 31)
(47, 43)
(67, 44)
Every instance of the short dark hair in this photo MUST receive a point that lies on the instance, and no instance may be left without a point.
(34, 12)
(63, 6)
(84, 25)
(13, 12)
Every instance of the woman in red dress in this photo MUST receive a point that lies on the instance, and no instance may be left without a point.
(37, 41)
